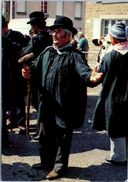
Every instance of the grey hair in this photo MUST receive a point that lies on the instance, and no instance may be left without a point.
(68, 32)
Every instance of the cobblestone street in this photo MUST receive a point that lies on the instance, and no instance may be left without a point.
(87, 159)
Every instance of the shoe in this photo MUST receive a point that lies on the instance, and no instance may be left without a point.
(7, 144)
(52, 175)
(11, 126)
(119, 163)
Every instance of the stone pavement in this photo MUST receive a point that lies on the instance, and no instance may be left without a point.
(87, 159)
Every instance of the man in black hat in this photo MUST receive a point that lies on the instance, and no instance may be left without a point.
(16, 80)
(36, 45)
(40, 41)
(64, 76)
(9, 50)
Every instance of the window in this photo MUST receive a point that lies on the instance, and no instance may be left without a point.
(78, 10)
(107, 24)
(96, 28)
(59, 8)
(21, 7)
(44, 6)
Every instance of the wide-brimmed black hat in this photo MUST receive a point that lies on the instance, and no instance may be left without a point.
(97, 42)
(37, 17)
(64, 22)
(4, 21)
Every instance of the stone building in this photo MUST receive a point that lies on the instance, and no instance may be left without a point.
(99, 17)
(94, 17)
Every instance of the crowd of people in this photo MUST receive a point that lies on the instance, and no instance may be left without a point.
(57, 67)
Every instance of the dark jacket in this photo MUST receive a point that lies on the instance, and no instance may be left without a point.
(37, 43)
(9, 50)
(17, 38)
(111, 112)
(18, 84)
(63, 80)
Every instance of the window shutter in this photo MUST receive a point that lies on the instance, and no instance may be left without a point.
(96, 28)
(59, 8)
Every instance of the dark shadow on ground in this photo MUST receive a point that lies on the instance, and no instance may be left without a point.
(23, 145)
(104, 172)
(100, 173)
(21, 172)
(85, 138)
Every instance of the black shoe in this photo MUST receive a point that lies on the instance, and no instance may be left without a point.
(11, 126)
(119, 163)
(7, 144)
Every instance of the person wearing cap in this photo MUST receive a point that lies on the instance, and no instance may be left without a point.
(105, 45)
(64, 76)
(112, 105)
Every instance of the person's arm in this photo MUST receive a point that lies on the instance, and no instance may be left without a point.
(89, 76)
(27, 58)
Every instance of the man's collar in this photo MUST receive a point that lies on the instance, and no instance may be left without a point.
(61, 49)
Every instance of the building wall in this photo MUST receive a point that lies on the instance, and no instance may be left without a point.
(91, 12)
(30, 6)
(68, 10)
(101, 11)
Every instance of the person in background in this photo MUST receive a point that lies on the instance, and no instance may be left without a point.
(73, 39)
(112, 106)
(105, 46)
(64, 76)
(40, 39)
(8, 51)
(83, 45)
(17, 112)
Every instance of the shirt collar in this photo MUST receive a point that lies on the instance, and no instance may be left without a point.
(61, 49)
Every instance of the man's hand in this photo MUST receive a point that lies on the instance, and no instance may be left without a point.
(95, 76)
(26, 58)
(26, 72)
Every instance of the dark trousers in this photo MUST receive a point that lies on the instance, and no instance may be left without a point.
(55, 147)
(64, 138)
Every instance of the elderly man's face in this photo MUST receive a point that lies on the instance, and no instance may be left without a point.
(60, 37)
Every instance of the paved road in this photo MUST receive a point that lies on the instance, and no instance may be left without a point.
(87, 159)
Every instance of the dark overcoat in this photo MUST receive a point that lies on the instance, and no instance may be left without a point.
(111, 112)
(36, 45)
(63, 77)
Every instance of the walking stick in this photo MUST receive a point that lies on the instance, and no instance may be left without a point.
(24, 60)
(28, 102)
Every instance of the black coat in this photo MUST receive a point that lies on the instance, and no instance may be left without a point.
(9, 50)
(111, 112)
(18, 83)
(63, 80)
(37, 43)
